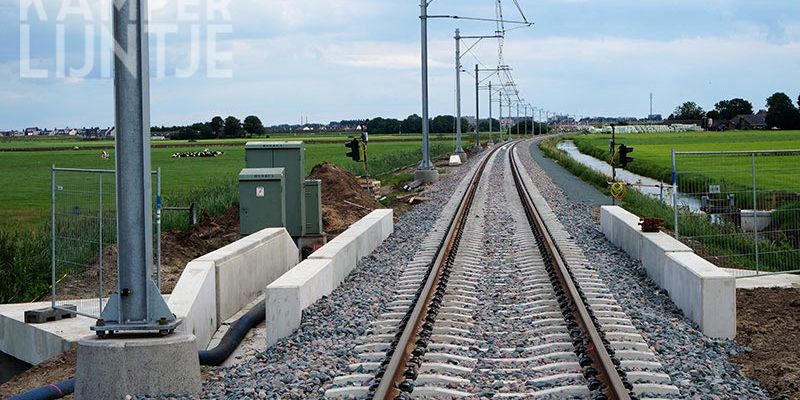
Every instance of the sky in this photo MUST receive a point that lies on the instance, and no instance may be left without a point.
(340, 59)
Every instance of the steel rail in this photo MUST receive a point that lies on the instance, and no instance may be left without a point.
(393, 376)
(603, 363)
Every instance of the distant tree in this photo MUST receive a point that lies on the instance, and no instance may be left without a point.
(443, 124)
(217, 123)
(382, 126)
(781, 112)
(203, 130)
(485, 125)
(412, 124)
(729, 109)
(233, 127)
(713, 114)
(798, 101)
(688, 110)
(466, 126)
(253, 125)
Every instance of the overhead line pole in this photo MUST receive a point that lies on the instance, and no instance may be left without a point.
(459, 150)
(533, 122)
(459, 68)
(491, 140)
(425, 172)
(478, 147)
(137, 305)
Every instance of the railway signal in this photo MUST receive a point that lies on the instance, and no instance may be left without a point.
(355, 149)
(623, 155)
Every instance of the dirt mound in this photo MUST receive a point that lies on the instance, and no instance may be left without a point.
(339, 189)
(767, 322)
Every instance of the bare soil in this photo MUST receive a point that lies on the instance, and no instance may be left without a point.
(177, 249)
(52, 371)
(768, 321)
(339, 189)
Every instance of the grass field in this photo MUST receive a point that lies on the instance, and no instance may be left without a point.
(24, 143)
(26, 175)
(653, 155)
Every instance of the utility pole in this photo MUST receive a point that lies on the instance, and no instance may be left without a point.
(425, 172)
(137, 305)
(478, 147)
(540, 121)
(526, 120)
(459, 150)
(517, 119)
(500, 135)
(491, 140)
(533, 122)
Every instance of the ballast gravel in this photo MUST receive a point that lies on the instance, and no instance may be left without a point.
(303, 365)
(699, 366)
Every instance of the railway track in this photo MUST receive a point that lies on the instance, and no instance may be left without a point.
(499, 302)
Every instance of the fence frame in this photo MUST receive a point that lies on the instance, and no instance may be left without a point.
(754, 189)
(157, 213)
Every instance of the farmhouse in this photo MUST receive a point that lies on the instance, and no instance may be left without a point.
(750, 121)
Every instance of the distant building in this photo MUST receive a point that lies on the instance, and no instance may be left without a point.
(750, 121)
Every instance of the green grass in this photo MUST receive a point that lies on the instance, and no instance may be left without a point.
(653, 156)
(53, 143)
(27, 174)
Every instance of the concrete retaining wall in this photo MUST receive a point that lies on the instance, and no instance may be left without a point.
(705, 293)
(217, 285)
(322, 272)
(243, 268)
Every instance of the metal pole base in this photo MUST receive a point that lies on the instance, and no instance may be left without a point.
(477, 149)
(461, 154)
(160, 318)
(427, 175)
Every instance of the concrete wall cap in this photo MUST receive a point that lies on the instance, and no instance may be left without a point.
(665, 242)
(243, 245)
(698, 265)
(301, 273)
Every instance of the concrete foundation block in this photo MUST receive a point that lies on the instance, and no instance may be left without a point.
(705, 293)
(654, 250)
(427, 175)
(244, 268)
(145, 366)
(194, 300)
(296, 290)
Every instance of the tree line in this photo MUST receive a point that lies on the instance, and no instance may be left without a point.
(441, 124)
(781, 111)
(217, 128)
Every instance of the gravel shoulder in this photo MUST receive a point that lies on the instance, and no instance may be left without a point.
(699, 366)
